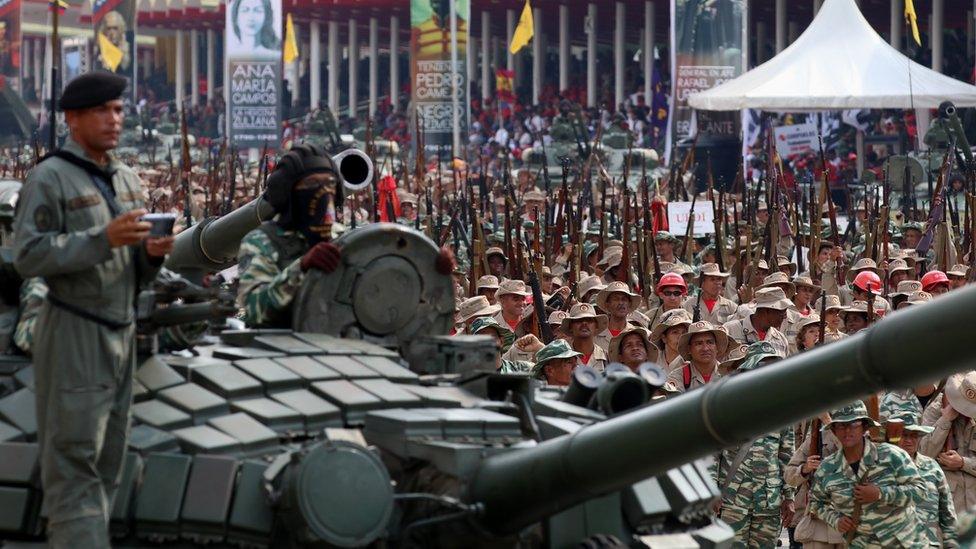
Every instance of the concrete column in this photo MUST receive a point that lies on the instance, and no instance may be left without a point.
(537, 55)
(332, 92)
(455, 92)
(374, 64)
(470, 60)
(211, 63)
(780, 25)
(314, 64)
(648, 48)
(353, 66)
(896, 22)
(39, 76)
(618, 53)
(760, 42)
(563, 47)
(180, 71)
(496, 47)
(25, 63)
(938, 24)
(509, 31)
(591, 56)
(395, 62)
(485, 54)
(194, 67)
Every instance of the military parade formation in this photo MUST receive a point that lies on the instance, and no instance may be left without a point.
(595, 260)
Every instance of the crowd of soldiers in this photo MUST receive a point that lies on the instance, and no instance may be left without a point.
(559, 288)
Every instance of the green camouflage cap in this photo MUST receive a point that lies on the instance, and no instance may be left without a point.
(912, 422)
(486, 322)
(665, 235)
(559, 348)
(852, 412)
(756, 353)
(589, 247)
(917, 225)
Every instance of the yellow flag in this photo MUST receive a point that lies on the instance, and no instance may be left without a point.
(912, 20)
(525, 30)
(290, 52)
(111, 54)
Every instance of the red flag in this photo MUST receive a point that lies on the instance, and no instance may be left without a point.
(387, 195)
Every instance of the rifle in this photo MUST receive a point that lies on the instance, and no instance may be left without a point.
(184, 167)
(697, 309)
(825, 195)
(686, 247)
(623, 271)
(823, 317)
(938, 203)
(539, 307)
(816, 443)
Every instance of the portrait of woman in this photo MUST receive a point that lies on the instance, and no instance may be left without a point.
(254, 25)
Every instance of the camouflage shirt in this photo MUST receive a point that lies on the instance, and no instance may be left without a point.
(33, 293)
(266, 290)
(935, 509)
(889, 522)
(758, 484)
(899, 402)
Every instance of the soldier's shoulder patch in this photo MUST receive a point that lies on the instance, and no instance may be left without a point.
(85, 201)
(43, 218)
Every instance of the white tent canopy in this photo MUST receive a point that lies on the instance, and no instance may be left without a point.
(839, 62)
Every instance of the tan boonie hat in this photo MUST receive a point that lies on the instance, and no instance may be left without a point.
(960, 389)
(611, 257)
(833, 303)
(711, 269)
(704, 327)
(762, 265)
(589, 284)
(772, 298)
(474, 307)
(512, 287)
(918, 298)
(487, 282)
(639, 318)
(806, 321)
(906, 287)
(582, 311)
(670, 319)
(733, 358)
(617, 287)
(855, 307)
(783, 261)
(863, 264)
(779, 279)
(806, 282)
(495, 250)
(958, 270)
(408, 198)
(896, 265)
(556, 318)
(534, 195)
(614, 352)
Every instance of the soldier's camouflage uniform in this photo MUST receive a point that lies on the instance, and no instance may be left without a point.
(889, 522)
(752, 499)
(270, 275)
(935, 509)
(900, 401)
(83, 367)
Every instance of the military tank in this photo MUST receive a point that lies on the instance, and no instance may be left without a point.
(366, 425)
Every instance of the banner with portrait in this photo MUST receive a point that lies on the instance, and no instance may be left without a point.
(253, 53)
(706, 50)
(434, 78)
(114, 23)
(10, 44)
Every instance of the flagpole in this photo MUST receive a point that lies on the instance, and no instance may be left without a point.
(456, 122)
(55, 61)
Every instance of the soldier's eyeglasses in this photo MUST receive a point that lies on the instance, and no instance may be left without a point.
(672, 294)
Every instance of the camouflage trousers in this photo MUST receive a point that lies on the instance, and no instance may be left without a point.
(752, 529)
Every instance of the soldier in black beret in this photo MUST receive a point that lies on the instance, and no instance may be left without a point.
(78, 227)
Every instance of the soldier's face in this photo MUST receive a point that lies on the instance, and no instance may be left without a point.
(672, 336)
(957, 281)
(559, 371)
(909, 442)
(497, 265)
(939, 289)
(512, 305)
(490, 294)
(850, 435)
(804, 295)
(896, 277)
(619, 305)
(855, 322)
(911, 238)
(702, 348)
(672, 296)
(584, 328)
(833, 319)
(314, 206)
(712, 285)
(407, 211)
(664, 248)
(97, 128)
(810, 336)
(632, 350)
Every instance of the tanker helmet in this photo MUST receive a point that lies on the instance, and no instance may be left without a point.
(868, 281)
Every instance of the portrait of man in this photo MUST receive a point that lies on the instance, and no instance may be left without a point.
(114, 28)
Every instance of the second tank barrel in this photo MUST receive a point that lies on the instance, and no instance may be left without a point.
(522, 487)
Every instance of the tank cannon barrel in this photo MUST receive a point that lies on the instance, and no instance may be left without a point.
(212, 244)
(522, 487)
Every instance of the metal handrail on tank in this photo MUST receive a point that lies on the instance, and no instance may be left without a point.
(212, 244)
(522, 487)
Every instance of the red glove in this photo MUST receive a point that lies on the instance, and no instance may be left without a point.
(445, 261)
(324, 256)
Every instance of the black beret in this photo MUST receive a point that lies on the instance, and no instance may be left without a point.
(91, 89)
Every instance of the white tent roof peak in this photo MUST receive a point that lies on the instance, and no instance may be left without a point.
(839, 62)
